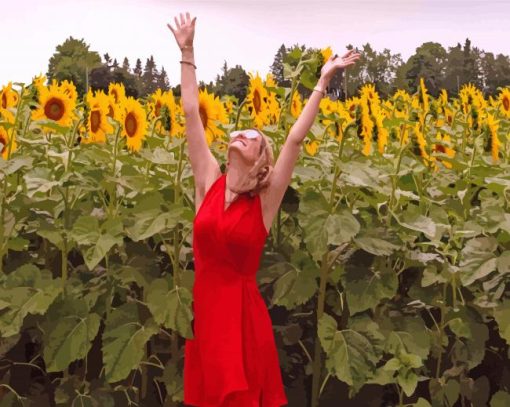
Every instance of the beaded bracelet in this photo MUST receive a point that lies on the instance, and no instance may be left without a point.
(189, 63)
(187, 46)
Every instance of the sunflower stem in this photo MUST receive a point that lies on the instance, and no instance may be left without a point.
(239, 112)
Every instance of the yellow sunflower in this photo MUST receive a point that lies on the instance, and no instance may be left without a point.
(256, 101)
(6, 116)
(4, 144)
(272, 101)
(211, 112)
(163, 105)
(441, 148)
(443, 97)
(326, 53)
(297, 105)
(504, 99)
(118, 92)
(69, 89)
(97, 123)
(367, 126)
(8, 97)
(311, 147)
(493, 126)
(55, 104)
(134, 123)
(424, 97)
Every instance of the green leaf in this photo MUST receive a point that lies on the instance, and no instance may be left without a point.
(478, 259)
(378, 247)
(422, 403)
(27, 290)
(350, 355)
(500, 399)
(68, 333)
(366, 287)
(124, 340)
(341, 227)
(392, 365)
(171, 307)
(295, 287)
(408, 381)
(502, 317)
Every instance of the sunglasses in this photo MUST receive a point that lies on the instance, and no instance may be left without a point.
(250, 133)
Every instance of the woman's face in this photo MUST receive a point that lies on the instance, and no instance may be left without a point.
(249, 148)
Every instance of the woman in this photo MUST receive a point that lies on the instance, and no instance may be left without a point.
(232, 360)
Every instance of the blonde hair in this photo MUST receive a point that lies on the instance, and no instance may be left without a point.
(259, 175)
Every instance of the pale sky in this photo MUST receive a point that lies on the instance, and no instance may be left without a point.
(245, 32)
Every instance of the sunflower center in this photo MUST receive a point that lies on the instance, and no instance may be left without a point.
(440, 148)
(256, 101)
(54, 109)
(506, 103)
(4, 101)
(203, 116)
(158, 108)
(95, 121)
(110, 111)
(131, 124)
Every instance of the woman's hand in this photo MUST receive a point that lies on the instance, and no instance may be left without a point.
(334, 63)
(185, 30)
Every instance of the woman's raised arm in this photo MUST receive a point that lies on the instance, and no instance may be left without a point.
(284, 167)
(204, 166)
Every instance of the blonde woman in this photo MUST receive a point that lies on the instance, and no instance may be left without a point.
(232, 360)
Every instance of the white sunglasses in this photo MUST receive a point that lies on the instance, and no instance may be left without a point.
(250, 133)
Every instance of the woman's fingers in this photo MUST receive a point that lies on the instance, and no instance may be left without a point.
(182, 19)
(188, 17)
(171, 29)
(177, 25)
(193, 22)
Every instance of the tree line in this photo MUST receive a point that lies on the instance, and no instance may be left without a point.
(449, 68)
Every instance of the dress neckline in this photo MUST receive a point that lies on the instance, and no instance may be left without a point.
(223, 196)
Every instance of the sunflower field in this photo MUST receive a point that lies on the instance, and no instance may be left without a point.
(386, 271)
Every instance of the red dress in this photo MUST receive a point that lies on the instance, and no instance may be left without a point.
(232, 360)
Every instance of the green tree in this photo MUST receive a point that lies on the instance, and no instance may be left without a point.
(428, 62)
(72, 61)
(233, 81)
(138, 68)
(150, 76)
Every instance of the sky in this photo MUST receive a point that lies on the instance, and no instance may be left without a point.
(245, 32)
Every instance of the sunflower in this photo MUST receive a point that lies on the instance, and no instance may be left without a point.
(443, 97)
(256, 101)
(422, 142)
(441, 148)
(272, 101)
(69, 89)
(368, 91)
(163, 105)
(493, 126)
(297, 105)
(97, 122)
(118, 91)
(134, 123)
(424, 97)
(114, 109)
(56, 105)
(4, 143)
(367, 126)
(211, 111)
(312, 147)
(326, 54)
(6, 116)
(504, 99)
(8, 97)
(382, 132)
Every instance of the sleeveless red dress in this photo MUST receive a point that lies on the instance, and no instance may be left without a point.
(232, 360)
